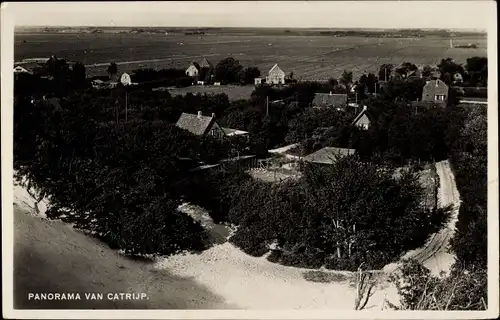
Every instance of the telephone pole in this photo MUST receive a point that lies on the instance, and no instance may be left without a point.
(126, 106)
(267, 106)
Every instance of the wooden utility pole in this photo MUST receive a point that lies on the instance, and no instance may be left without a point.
(267, 106)
(126, 106)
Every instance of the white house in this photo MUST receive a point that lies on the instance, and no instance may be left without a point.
(192, 70)
(276, 75)
(125, 79)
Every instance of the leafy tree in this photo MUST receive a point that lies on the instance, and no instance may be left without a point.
(427, 71)
(405, 68)
(79, 77)
(112, 69)
(346, 79)
(477, 68)
(448, 68)
(248, 75)
(228, 70)
(385, 72)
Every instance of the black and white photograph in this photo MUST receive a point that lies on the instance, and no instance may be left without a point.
(328, 158)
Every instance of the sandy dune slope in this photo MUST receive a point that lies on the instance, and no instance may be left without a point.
(50, 256)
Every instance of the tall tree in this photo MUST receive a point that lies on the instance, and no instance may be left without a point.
(112, 70)
(346, 79)
(384, 73)
(248, 75)
(228, 70)
(79, 76)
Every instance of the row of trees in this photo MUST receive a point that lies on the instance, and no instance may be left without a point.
(474, 72)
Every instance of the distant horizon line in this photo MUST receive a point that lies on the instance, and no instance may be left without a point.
(481, 30)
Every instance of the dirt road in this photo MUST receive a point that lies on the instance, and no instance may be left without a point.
(434, 253)
(52, 257)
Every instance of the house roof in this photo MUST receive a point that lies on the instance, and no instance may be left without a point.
(329, 99)
(234, 132)
(28, 66)
(433, 87)
(276, 68)
(363, 112)
(196, 124)
(328, 155)
(195, 64)
(205, 63)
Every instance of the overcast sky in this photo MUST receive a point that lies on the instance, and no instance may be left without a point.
(320, 14)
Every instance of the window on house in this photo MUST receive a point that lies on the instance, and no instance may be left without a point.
(439, 97)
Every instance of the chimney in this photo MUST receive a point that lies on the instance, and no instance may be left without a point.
(330, 93)
(437, 81)
(364, 108)
(199, 114)
(213, 115)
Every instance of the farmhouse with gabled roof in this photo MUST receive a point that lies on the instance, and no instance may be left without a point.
(326, 100)
(435, 91)
(276, 75)
(200, 125)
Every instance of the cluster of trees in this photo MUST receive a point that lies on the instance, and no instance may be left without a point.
(119, 179)
(336, 216)
(55, 77)
(230, 71)
(474, 73)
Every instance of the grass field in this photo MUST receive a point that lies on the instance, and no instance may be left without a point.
(307, 56)
(233, 92)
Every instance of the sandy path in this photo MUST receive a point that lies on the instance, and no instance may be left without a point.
(50, 256)
(434, 253)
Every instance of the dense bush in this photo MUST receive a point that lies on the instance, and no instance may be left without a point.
(419, 290)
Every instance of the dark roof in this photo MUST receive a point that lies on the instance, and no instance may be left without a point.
(196, 124)
(328, 155)
(329, 100)
(205, 63)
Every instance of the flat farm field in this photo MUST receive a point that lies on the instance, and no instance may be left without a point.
(308, 57)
